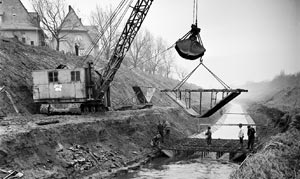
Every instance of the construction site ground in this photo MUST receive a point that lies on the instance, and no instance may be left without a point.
(79, 146)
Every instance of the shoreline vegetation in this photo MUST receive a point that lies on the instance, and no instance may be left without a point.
(279, 154)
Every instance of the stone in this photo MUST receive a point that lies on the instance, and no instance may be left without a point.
(59, 147)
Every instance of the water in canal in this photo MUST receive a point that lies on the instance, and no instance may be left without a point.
(195, 167)
(198, 167)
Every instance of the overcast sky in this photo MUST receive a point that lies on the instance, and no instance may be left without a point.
(246, 40)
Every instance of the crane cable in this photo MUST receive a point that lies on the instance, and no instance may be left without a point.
(105, 27)
(111, 18)
(179, 85)
(217, 78)
(113, 32)
(156, 55)
(195, 12)
(187, 76)
(195, 21)
(115, 27)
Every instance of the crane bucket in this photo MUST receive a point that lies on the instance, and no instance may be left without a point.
(190, 45)
(189, 49)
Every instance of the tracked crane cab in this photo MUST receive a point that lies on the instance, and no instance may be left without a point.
(64, 90)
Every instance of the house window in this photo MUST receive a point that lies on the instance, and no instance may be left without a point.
(53, 76)
(23, 40)
(32, 42)
(75, 75)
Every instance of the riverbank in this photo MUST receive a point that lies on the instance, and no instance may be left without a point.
(278, 153)
(96, 145)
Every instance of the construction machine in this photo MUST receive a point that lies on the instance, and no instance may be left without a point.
(86, 90)
(80, 90)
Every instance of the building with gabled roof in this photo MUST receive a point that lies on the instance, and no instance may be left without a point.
(76, 37)
(17, 22)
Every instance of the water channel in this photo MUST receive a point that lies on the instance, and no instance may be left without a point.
(198, 166)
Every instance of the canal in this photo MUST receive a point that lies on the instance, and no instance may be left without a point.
(201, 165)
(193, 167)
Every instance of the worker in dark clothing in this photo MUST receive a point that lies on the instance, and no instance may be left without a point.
(241, 135)
(167, 128)
(160, 128)
(155, 142)
(251, 137)
(76, 49)
(208, 136)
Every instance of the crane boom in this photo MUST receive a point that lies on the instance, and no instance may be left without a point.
(130, 30)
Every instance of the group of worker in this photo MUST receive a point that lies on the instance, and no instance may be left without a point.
(163, 131)
(251, 136)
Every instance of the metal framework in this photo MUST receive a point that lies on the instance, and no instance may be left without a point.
(132, 26)
(183, 97)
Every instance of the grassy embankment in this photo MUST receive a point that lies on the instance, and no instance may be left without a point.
(278, 110)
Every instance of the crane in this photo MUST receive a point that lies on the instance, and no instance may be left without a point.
(76, 89)
(130, 30)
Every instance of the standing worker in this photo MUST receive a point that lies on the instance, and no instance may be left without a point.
(160, 129)
(155, 142)
(208, 136)
(167, 127)
(241, 135)
(251, 137)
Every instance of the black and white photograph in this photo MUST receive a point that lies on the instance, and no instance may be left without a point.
(149, 89)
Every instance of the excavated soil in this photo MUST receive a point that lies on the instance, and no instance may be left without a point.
(91, 146)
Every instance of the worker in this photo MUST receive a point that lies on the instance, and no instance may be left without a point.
(251, 137)
(76, 49)
(241, 135)
(208, 136)
(167, 128)
(160, 129)
(155, 142)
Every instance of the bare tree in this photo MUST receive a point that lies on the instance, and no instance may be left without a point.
(168, 63)
(52, 14)
(107, 30)
(137, 52)
(158, 57)
(181, 73)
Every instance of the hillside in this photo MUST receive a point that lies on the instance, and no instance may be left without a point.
(19, 60)
(282, 92)
(275, 103)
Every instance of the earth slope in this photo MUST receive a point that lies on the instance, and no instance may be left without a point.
(17, 61)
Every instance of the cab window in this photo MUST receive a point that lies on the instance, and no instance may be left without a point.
(53, 76)
(75, 75)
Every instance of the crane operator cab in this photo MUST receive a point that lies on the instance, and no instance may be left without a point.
(63, 90)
